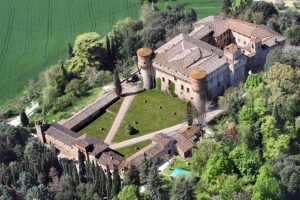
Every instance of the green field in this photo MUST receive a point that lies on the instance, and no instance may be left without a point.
(34, 34)
(149, 117)
(203, 8)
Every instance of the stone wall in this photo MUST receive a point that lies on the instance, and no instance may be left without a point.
(69, 151)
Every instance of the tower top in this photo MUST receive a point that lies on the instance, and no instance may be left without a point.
(144, 52)
(197, 74)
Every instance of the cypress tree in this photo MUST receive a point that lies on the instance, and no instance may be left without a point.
(145, 170)
(23, 118)
(131, 177)
(82, 170)
(189, 113)
(118, 86)
(64, 70)
(102, 181)
(116, 182)
(108, 48)
(108, 183)
(156, 192)
(70, 51)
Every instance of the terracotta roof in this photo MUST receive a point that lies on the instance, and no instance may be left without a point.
(61, 133)
(110, 158)
(144, 52)
(161, 139)
(232, 48)
(182, 143)
(189, 132)
(197, 74)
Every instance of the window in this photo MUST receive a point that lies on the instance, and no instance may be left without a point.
(252, 46)
(163, 79)
(182, 88)
(187, 90)
(175, 78)
(169, 82)
(244, 42)
(218, 83)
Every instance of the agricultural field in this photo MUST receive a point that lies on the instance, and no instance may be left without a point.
(203, 8)
(34, 34)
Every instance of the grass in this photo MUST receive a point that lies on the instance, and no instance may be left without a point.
(203, 8)
(148, 117)
(101, 126)
(130, 150)
(34, 34)
(177, 162)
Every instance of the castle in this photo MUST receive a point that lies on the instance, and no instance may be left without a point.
(217, 54)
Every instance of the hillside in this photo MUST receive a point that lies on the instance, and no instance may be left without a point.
(35, 34)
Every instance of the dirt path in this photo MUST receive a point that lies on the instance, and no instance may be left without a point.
(121, 114)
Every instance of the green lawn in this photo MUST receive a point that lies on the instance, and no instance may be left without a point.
(101, 126)
(130, 150)
(203, 8)
(149, 117)
(34, 34)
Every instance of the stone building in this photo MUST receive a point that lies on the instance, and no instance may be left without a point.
(217, 54)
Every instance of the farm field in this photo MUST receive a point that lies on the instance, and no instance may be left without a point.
(203, 8)
(34, 34)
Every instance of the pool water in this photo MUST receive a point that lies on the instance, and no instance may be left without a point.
(178, 171)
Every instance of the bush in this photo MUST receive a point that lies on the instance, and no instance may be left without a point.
(171, 89)
(158, 83)
(77, 87)
(104, 77)
(63, 102)
(130, 130)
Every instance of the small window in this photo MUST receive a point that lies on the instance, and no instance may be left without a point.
(163, 79)
(187, 90)
(169, 82)
(244, 42)
(252, 46)
(218, 83)
(175, 78)
(182, 88)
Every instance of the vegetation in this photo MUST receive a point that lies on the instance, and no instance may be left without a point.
(42, 30)
(164, 110)
(203, 8)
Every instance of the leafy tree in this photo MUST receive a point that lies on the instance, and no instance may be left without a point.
(32, 152)
(87, 53)
(267, 186)
(39, 192)
(118, 86)
(77, 87)
(293, 35)
(104, 77)
(24, 119)
(129, 192)
(131, 176)
(145, 169)
(253, 81)
(182, 189)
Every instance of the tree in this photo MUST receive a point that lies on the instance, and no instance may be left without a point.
(77, 87)
(41, 193)
(118, 86)
(82, 169)
(70, 51)
(90, 76)
(145, 168)
(108, 183)
(293, 35)
(182, 189)
(23, 118)
(226, 6)
(129, 192)
(104, 77)
(116, 182)
(131, 176)
(189, 113)
(156, 191)
(25, 181)
(267, 186)
(87, 53)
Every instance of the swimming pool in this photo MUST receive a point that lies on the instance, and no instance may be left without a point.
(178, 171)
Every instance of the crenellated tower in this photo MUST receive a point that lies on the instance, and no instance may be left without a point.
(145, 65)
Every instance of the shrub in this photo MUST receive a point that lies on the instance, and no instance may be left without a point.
(77, 87)
(171, 89)
(104, 77)
(158, 83)
(130, 130)
(63, 102)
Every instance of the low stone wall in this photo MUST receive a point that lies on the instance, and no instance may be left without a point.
(89, 112)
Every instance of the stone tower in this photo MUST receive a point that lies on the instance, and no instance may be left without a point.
(145, 65)
(198, 83)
